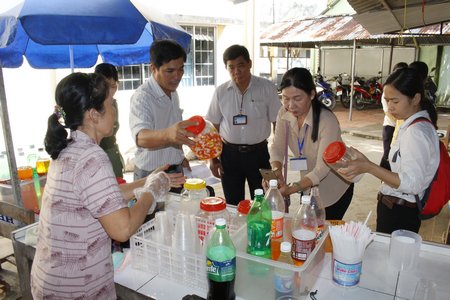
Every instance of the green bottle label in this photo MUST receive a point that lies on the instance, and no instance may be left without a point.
(221, 271)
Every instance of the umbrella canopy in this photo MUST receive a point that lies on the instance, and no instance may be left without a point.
(72, 33)
(67, 33)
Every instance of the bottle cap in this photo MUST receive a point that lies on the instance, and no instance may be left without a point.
(273, 183)
(199, 128)
(244, 206)
(213, 204)
(194, 184)
(285, 247)
(334, 152)
(221, 222)
(259, 192)
(306, 199)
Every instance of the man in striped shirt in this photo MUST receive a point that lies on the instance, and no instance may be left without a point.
(155, 116)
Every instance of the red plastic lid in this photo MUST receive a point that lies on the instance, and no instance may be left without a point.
(213, 204)
(199, 128)
(334, 152)
(244, 206)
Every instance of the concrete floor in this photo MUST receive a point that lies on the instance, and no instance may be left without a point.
(362, 132)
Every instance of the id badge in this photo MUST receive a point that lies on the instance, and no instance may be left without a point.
(240, 120)
(298, 164)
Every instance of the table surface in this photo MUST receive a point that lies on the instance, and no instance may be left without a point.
(379, 280)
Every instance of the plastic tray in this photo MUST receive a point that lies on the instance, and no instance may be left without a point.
(255, 275)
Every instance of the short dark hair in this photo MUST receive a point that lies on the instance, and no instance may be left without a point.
(107, 70)
(399, 65)
(234, 52)
(163, 51)
(421, 67)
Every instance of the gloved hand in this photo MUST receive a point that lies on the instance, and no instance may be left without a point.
(158, 184)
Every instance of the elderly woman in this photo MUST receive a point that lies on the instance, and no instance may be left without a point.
(83, 207)
(413, 158)
(307, 127)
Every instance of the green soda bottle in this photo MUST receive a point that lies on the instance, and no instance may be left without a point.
(259, 224)
(220, 263)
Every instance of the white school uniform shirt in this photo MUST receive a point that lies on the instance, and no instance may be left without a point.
(260, 103)
(418, 160)
(151, 108)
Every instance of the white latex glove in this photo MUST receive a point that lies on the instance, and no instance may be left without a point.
(138, 192)
(158, 185)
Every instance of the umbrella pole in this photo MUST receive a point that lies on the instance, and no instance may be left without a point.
(8, 143)
(71, 58)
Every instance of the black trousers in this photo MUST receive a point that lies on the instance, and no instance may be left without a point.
(239, 167)
(399, 217)
(337, 210)
(388, 132)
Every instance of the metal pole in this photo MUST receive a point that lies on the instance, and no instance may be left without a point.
(15, 184)
(353, 80)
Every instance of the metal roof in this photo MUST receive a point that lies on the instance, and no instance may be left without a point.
(386, 16)
(342, 30)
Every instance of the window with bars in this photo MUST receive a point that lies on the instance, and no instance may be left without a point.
(198, 69)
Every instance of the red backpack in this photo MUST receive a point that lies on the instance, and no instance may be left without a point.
(437, 193)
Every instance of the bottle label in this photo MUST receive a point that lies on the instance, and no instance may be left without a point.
(277, 224)
(303, 243)
(221, 271)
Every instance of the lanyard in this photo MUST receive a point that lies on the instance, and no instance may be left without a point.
(300, 145)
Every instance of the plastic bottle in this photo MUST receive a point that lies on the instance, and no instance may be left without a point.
(276, 203)
(220, 263)
(336, 155)
(43, 162)
(240, 218)
(259, 223)
(208, 143)
(194, 190)
(24, 171)
(319, 209)
(284, 278)
(304, 230)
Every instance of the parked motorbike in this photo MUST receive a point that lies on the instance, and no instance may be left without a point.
(342, 89)
(368, 92)
(324, 92)
(430, 87)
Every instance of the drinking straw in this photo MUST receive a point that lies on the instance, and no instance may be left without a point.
(367, 219)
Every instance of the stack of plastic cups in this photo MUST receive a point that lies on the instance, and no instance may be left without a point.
(184, 248)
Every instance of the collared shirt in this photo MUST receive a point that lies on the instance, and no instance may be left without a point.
(418, 160)
(331, 186)
(151, 108)
(260, 103)
(73, 253)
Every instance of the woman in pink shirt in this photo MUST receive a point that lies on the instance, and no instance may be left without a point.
(83, 207)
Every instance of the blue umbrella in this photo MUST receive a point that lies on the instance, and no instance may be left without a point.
(68, 33)
(72, 33)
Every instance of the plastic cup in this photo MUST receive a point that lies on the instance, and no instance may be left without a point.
(163, 228)
(346, 271)
(183, 235)
(404, 249)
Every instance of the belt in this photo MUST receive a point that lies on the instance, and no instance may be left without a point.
(390, 201)
(244, 148)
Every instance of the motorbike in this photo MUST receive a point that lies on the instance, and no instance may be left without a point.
(342, 90)
(324, 92)
(367, 93)
(430, 88)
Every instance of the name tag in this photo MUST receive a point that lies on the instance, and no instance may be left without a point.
(298, 164)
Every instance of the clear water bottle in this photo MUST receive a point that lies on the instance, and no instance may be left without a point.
(240, 219)
(220, 263)
(259, 223)
(304, 231)
(276, 203)
(284, 278)
(319, 209)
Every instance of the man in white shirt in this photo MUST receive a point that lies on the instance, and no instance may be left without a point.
(242, 109)
(155, 114)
